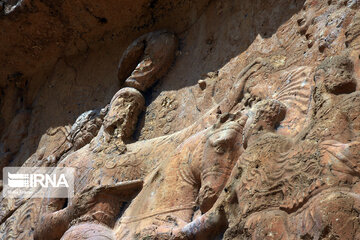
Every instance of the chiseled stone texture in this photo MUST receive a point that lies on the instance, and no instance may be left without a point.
(239, 120)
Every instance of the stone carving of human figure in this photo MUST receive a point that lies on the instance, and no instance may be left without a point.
(329, 162)
(201, 176)
(324, 171)
(121, 118)
(54, 146)
(203, 163)
(120, 121)
(263, 118)
(142, 64)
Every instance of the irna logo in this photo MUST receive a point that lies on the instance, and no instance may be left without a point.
(24, 182)
(36, 180)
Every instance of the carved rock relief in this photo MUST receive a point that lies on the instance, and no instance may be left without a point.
(118, 121)
(276, 158)
(117, 128)
(204, 185)
(197, 172)
(293, 188)
(147, 59)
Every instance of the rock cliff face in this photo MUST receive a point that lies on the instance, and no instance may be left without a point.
(202, 119)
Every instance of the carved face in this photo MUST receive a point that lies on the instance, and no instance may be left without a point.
(122, 117)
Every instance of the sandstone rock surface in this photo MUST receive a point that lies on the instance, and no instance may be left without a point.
(198, 120)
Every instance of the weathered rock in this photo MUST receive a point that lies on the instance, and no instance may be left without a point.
(147, 59)
(251, 132)
(12, 137)
(86, 127)
(338, 71)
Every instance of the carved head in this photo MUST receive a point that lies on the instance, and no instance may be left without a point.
(122, 117)
(264, 116)
(222, 148)
(224, 133)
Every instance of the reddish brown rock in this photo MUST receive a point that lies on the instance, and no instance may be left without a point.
(147, 59)
(246, 125)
